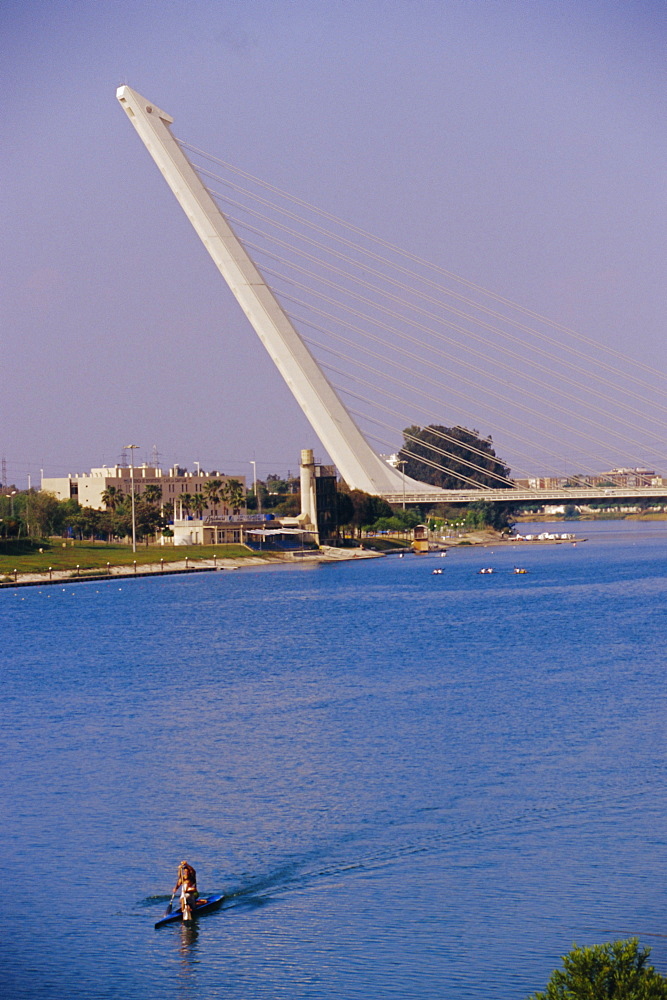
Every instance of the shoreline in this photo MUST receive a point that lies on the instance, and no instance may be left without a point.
(186, 566)
(481, 538)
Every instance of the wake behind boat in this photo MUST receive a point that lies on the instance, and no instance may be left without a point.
(201, 906)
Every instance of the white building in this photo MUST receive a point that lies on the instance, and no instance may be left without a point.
(89, 487)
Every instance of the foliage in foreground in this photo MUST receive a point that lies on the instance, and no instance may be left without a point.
(614, 971)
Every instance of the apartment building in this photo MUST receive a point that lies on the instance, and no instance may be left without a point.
(175, 483)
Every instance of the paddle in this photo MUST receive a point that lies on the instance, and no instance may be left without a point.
(168, 910)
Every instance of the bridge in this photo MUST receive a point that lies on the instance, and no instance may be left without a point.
(395, 336)
(581, 494)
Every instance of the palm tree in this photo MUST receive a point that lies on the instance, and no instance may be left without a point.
(112, 496)
(186, 502)
(198, 503)
(234, 494)
(153, 494)
(212, 492)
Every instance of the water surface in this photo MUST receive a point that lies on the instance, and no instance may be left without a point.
(408, 784)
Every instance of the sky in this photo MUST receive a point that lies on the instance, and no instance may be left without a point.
(519, 144)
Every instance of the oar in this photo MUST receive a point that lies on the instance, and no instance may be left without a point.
(168, 910)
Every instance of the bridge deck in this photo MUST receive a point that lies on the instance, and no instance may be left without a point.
(569, 495)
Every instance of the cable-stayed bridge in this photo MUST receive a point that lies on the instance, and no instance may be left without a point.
(375, 344)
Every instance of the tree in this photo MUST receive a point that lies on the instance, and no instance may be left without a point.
(287, 506)
(42, 511)
(484, 514)
(121, 523)
(233, 494)
(274, 484)
(367, 509)
(451, 456)
(152, 494)
(86, 522)
(197, 504)
(147, 519)
(615, 971)
(212, 492)
(344, 508)
(112, 496)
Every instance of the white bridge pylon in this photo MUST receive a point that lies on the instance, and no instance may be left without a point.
(359, 465)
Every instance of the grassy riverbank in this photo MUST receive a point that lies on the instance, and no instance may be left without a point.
(41, 556)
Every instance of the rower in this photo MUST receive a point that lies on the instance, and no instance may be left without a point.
(187, 880)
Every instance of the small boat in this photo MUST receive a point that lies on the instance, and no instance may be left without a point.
(436, 572)
(518, 569)
(486, 569)
(202, 905)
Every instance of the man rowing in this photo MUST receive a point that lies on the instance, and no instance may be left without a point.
(187, 880)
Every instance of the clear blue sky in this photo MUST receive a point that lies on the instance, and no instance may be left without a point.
(520, 144)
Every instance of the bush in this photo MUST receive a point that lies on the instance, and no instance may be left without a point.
(615, 971)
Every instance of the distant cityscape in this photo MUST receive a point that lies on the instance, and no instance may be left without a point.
(630, 478)
(88, 487)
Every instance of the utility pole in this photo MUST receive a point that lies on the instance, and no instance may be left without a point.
(254, 482)
(134, 528)
(402, 465)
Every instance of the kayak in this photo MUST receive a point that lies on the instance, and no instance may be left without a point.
(202, 905)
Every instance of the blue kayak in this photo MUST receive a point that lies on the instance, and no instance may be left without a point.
(202, 905)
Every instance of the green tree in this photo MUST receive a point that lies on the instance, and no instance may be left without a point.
(121, 523)
(152, 494)
(86, 522)
(112, 496)
(287, 506)
(489, 515)
(42, 511)
(234, 494)
(147, 519)
(274, 484)
(344, 508)
(615, 971)
(367, 509)
(198, 503)
(451, 456)
(67, 511)
(212, 492)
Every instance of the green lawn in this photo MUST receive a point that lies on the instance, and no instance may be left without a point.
(59, 555)
(384, 544)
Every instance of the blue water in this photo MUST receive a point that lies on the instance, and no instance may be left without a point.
(409, 785)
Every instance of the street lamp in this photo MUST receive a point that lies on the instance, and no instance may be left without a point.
(134, 528)
(254, 481)
(402, 465)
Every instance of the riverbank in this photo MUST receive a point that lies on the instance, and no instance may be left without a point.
(60, 563)
(485, 537)
(106, 570)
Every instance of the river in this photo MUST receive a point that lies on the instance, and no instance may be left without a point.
(407, 784)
